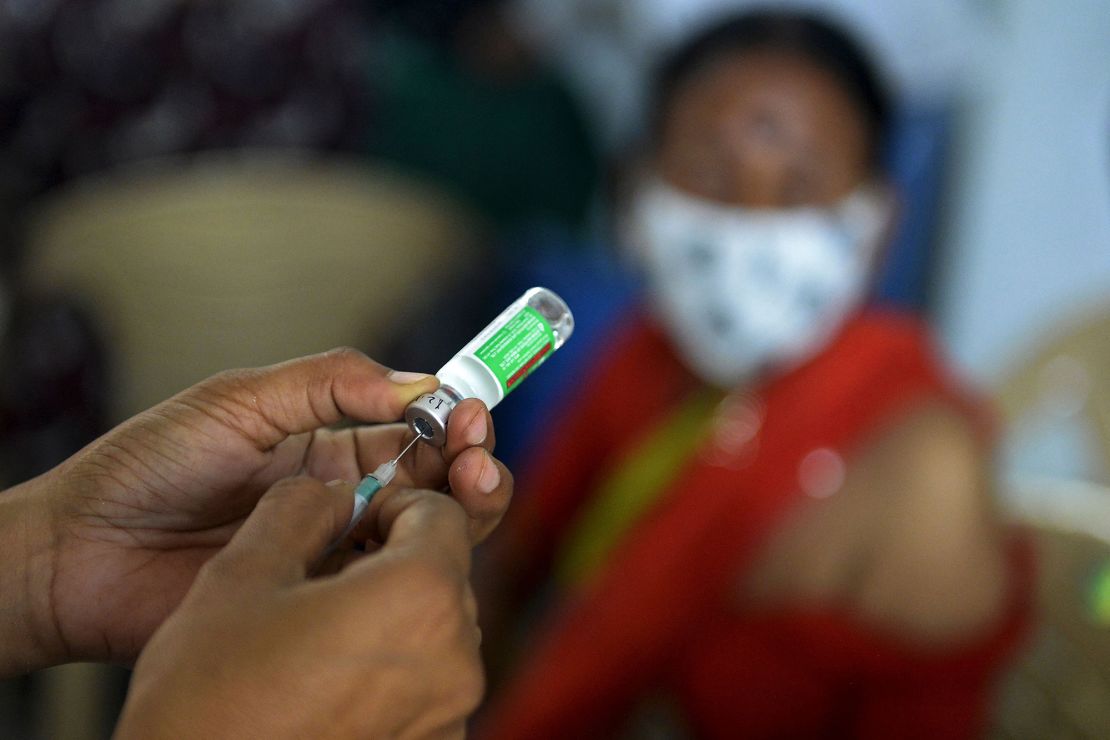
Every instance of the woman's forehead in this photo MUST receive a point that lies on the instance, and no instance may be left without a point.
(768, 82)
(767, 128)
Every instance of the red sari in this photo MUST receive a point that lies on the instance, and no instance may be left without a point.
(659, 618)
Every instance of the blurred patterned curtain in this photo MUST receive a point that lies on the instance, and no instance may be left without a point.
(89, 84)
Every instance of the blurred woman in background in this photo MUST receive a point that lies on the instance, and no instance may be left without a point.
(768, 511)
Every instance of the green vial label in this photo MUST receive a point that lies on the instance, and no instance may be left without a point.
(518, 348)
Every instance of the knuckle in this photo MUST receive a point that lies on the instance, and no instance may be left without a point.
(491, 433)
(226, 380)
(470, 684)
(433, 588)
(461, 685)
(303, 501)
(226, 394)
(508, 481)
(448, 510)
(428, 504)
(224, 567)
(434, 600)
(443, 513)
(299, 489)
(345, 354)
(299, 494)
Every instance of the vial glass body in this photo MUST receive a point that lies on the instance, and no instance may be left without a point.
(496, 361)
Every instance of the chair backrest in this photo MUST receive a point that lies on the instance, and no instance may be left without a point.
(1057, 406)
(1067, 375)
(1060, 686)
(244, 260)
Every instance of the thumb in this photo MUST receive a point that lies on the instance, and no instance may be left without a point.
(271, 403)
(288, 530)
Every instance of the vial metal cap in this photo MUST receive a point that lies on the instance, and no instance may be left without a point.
(427, 415)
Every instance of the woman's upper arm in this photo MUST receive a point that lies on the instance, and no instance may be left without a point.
(938, 569)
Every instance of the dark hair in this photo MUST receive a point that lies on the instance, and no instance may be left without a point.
(436, 21)
(808, 36)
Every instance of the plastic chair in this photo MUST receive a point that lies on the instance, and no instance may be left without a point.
(1060, 687)
(236, 261)
(1066, 376)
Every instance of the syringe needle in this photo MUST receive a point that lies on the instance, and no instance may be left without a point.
(365, 490)
(408, 447)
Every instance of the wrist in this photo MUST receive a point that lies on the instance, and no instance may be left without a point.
(29, 639)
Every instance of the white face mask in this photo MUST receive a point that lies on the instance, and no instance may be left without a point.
(741, 291)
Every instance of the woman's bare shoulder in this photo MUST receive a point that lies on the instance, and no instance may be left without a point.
(937, 569)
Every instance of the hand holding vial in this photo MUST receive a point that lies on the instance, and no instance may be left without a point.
(193, 502)
(181, 538)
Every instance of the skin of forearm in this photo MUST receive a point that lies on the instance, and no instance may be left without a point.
(28, 640)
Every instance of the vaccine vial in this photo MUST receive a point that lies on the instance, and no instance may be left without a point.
(495, 362)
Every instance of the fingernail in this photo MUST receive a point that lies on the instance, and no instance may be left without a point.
(489, 477)
(476, 432)
(336, 483)
(407, 378)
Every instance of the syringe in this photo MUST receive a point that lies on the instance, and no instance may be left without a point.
(371, 484)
